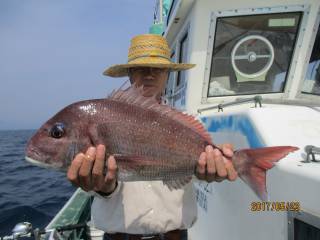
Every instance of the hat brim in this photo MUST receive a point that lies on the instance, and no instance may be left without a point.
(121, 70)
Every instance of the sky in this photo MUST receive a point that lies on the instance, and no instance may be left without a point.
(53, 53)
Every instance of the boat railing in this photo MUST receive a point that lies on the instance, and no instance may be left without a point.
(258, 100)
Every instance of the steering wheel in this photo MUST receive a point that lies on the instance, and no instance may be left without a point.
(252, 56)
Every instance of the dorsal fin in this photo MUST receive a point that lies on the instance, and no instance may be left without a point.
(134, 96)
(120, 88)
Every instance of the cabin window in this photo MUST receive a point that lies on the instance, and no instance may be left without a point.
(252, 54)
(170, 83)
(182, 59)
(305, 231)
(311, 83)
(179, 88)
(303, 226)
(172, 74)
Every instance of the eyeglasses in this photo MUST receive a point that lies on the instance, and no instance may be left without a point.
(145, 70)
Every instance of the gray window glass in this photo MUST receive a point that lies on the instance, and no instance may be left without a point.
(170, 83)
(179, 96)
(311, 83)
(252, 54)
(182, 59)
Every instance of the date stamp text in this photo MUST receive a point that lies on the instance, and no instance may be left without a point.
(275, 206)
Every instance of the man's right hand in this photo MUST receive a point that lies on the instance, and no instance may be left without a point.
(86, 171)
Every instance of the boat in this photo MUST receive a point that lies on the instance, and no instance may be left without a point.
(256, 84)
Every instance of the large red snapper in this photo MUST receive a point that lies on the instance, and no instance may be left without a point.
(149, 141)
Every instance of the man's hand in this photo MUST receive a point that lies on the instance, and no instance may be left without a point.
(213, 166)
(86, 171)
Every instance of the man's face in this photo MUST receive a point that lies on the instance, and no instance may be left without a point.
(153, 80)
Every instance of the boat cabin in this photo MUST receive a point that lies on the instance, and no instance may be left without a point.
(256, 83)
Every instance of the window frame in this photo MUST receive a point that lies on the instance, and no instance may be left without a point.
(175, 48)
(300, 94)
(182, 89)
(171, 85)
(185, 37)
(250, 12)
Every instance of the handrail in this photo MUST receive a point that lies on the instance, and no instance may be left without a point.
(311, 151)
(258, 100)
(295, 102)
(255, 99)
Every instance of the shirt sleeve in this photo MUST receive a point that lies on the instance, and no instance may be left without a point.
(115, 192)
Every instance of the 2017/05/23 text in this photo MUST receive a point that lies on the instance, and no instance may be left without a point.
(275, 206)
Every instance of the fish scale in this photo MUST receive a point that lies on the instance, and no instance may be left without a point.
(161, 131)
(156, 151)
(128, 140)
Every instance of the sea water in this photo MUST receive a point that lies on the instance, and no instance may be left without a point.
(27, 193)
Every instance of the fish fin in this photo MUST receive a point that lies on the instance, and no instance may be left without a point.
(252, 165)
(178, 183)
(120, 88)
(134, 96)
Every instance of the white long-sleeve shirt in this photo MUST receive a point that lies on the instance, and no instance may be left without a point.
(145, 208)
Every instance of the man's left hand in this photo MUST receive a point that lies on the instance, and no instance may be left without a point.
(215, 166)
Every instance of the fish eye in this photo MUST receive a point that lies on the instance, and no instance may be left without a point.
(57, 131)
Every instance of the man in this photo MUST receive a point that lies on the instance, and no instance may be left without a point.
(141, 210)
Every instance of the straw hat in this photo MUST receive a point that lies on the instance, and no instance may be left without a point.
(147, 50)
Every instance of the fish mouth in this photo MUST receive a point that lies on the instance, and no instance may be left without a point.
(42, 164)
(33, 156)
(37, 163)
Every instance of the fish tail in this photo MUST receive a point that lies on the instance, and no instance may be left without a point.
(252, 165)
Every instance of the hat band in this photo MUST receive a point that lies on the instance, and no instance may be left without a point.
(144, 56)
